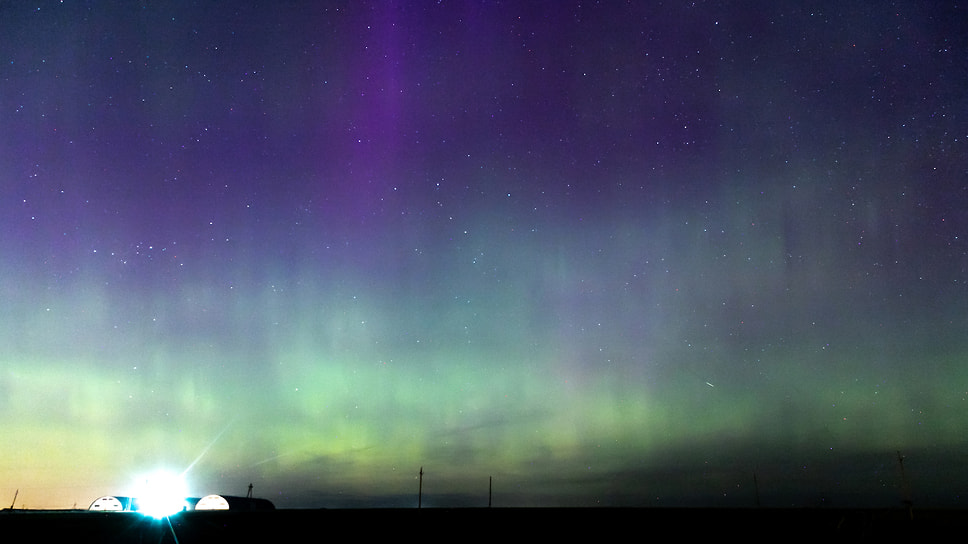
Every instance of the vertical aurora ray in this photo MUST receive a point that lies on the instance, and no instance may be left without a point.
(607, 255)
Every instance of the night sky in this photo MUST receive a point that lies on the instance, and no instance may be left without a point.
(619, 253)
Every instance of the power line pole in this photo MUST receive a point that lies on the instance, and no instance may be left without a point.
(756, 490)
(906, 489)
(420, 490)
(490, 488)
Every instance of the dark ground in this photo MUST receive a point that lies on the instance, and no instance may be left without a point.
(498, 524)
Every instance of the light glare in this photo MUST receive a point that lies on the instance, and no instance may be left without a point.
(161, 494)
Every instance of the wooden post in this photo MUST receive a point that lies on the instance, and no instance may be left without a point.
(756, 490)
(905, 488)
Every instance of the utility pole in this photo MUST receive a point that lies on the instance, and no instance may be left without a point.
(249, 495)
(756, 489)
(906, 489)
(15, 493)
(490, 488)
(420, 490)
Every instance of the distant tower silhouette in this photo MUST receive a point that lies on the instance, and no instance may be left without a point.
(249, 494)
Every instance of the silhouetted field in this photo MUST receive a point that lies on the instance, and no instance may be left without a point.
(433, 524)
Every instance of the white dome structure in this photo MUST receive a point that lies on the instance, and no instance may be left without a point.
(212, 502)
(228, 502)
(111, 503)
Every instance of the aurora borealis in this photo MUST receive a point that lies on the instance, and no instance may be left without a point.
(616, 253)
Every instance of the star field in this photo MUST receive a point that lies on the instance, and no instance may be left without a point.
(605, 253)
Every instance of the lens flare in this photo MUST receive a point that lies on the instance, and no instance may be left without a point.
(161, 494)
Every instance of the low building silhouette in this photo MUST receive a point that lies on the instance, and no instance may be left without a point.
(229, 502)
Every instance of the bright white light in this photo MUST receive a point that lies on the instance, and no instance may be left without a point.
(161, 493)
(212, 502)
